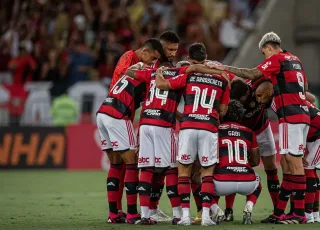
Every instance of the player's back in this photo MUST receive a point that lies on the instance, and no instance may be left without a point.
(289, 89)
(235, 144)
(202, 96)
(160, 106)
(124, 98)
(314, 130)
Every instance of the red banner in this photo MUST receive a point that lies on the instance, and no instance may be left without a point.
(84, 147)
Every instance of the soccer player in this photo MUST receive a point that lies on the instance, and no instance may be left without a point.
(170, 43)
(206, 97)
(290, 84)
(312, 155)
(150, 51)
(114, 121)
(256, 118)
(238, 153)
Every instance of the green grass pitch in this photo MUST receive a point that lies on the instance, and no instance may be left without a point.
(76, 200)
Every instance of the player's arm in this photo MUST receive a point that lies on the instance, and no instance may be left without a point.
(132, 70)
(178, 115)
(225, 99)
(162, 83)
(310, 97)
(254, 157)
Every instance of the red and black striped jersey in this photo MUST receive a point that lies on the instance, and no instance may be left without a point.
(124, 98)
(314, 129)
(160, 106)
(202, 94)
(288, 78)
(235, 142)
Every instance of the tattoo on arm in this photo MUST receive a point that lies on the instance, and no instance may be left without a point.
(245, 73)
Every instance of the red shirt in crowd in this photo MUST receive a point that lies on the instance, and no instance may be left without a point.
(23, 68)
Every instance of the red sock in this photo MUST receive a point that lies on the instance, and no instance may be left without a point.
(145, 183)
(215, 199)
(131, 181)
(157, 187)
(253, 197)
(196, 191)
(310, 195)
(172, 187)
(230, 200)
(121, 186)
(298, 190)
(316, 199)
(184, 191)
(113, 182)
(273, 185)
(207, 191)
(285, 192)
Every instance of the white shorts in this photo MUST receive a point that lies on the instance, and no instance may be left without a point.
(224, 188)
(158, 147)
(116, 134)
(292, 138)
(193, 142)
(266, 142)
(313, 156)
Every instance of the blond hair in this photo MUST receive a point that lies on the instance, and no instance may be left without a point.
(269, 37)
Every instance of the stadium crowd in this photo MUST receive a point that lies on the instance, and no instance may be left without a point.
(71, 41)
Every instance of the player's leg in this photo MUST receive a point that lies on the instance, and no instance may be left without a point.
(293, 149)
(207, 154)
(267, 150)
(228, 212)
(146, 162)
(122, 134)
(316, 216)
(186, 156)
(165, 155)
(196, 189)
(311, 159)
(114, 173)
(245, 188)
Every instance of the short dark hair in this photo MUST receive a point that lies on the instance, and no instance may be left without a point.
(198, 51)
(154, 45)
(166, 64)
(258, 81)
(170, 36)
(235, 111)
(239, 88)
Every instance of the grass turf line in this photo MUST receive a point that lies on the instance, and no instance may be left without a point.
(56, 199)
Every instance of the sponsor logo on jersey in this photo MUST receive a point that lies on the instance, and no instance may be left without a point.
(114, 144)
(153, 112)
(108, 100)
(296, 66)
(185, 157)
(238, 169)
(157, 160)
(200, 116)
(143, 160)
(224, 126)
(266, 65)
(169, 73)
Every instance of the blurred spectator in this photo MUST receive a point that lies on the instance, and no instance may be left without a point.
(64, 111)
(81, 62)
(22, 66)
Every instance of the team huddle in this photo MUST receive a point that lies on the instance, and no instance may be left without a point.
(224, 133)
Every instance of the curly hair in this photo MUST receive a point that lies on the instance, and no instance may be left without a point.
(235, 111)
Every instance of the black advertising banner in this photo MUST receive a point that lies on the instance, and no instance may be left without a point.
(32, 147)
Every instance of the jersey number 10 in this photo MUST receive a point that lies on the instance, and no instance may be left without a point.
(235, 156)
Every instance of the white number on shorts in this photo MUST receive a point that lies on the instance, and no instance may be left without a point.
(203, 98)
(235, 156)
(156, 92)
(118, 89)
(301, 83)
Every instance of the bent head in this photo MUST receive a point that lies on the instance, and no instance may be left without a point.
(240, 91)
(270, 44)
(151, 51)
(264, 93)
(197, 53)
(235, 111)
(170, 42)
